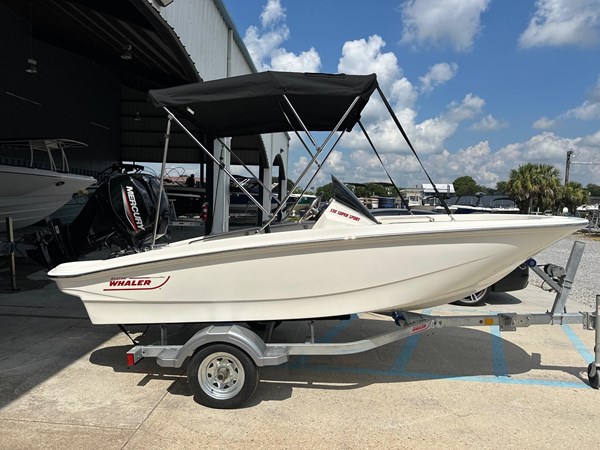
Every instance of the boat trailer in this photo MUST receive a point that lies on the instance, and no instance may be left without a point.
(224, 359)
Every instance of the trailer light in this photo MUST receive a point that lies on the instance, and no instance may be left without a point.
(130, 359)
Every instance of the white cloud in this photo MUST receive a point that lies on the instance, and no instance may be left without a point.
(546, 147)
(476, 161)
(485, 165)
(468, 108)
(272, 13)
(592, 140)
(590, 108)
(438, 74)
(285, 61)
(427, 137)
(438, 23)
(367, 56)
(265, 44)
(430, 23)
(488, 167)
(544, 123)
(563, 22)
(403, 94)
(262, 45)
(335, 164)
(489, 123)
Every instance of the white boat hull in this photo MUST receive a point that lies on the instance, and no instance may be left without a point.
(28, 195)
(410, 262)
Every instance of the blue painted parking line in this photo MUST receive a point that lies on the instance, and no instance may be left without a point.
(500, 376)
(587, 356)
(435, 376)
(409, 348)
(498, 355)
(327, 337)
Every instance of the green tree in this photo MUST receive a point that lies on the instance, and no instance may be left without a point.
(548, 187)
(369, 190)
(465, 185)
(501, 187)
(572, 195)
(534, 186)
(325, 191)
(520, 186)
(593, 189)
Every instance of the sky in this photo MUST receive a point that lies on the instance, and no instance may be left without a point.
(480, 86)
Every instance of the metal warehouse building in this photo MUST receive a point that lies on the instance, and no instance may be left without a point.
(81, 69)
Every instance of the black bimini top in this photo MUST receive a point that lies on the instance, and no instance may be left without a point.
(254, 104)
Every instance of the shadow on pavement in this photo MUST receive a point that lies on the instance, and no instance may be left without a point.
(439, 354)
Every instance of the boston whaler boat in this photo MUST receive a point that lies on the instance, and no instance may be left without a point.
(357, 262)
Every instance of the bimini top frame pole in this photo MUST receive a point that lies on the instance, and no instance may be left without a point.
(282, 202)
(162, 178)
(401, 129)
(238, 159)
(221, 165)
(319, 150)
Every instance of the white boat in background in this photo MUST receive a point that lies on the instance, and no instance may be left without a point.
(298, 204)
(355, 262)
(29, 194)
(481, 203)
(588, 209)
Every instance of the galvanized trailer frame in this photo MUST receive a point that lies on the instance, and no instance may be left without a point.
(223, 369)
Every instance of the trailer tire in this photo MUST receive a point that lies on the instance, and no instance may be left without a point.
(594, 380)
(222, 376)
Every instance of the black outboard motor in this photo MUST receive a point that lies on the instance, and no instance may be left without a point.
(120, 213)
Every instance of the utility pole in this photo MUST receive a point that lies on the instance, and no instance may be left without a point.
(568, 166)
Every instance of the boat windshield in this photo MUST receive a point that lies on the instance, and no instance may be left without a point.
(344, 195)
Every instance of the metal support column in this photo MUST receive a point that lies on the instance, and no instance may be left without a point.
(11, 253)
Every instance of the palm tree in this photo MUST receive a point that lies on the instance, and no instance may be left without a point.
(573, 194)
(547, 183)
(520, 186)
(534, 184)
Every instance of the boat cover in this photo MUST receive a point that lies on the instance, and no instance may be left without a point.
(252, 104)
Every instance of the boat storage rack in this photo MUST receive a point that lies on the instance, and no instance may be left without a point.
(224, 359)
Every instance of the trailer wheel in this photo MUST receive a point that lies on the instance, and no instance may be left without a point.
(595, 379)
(222, 376)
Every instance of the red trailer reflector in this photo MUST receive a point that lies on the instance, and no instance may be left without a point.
(130, 360)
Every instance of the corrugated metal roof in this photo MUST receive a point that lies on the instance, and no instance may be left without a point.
(164, 52)
(103, 30)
